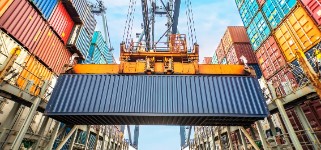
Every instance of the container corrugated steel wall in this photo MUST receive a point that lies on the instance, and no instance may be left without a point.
(314, 8)
(86, 15)
(4, 4)
(220, 53)
(237, 50)
(146, 95)
(248, 10)
(46, 7)
(270, 58)
(52, 51)
(258, 31)
(83, 42)
(234, 34)
(276, 10)
(61, 22)
(25, 25)
(214, 59)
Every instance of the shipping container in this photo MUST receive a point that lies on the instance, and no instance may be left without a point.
(220, 53)
(164, 103)
(239, 3)
(297, 32)
(284, 82)
(270, 58)
(276, 10)
(25, 25)
(258, 31)
(4, 4)
(234, 34)
(61, 22)
(239, 50)
(27, 71)
(214, 59)
(82, 42)
(248, 10)
(314, 8)
(46, 7)
(207, 60)
(86, 15)
(52, 51)
(312, 111)
(100, 43)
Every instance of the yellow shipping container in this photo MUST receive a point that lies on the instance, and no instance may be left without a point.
(35, 72)
(4, 4)
(298, 31)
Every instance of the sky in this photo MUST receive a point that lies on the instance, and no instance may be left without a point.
(211, 18)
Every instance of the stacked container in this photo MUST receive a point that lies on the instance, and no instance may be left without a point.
(99, 52)
(235, 47)
(214, 59)
(207, 60)
(278, 29)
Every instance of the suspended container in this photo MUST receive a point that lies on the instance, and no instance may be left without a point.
(239, 50)
(46, 7)
(258, 31)
(23, 22)
(248, 10)
(4, 4)
(61, 22)
(314, 8)
(276, 10)
(297, 32)
(270, 58)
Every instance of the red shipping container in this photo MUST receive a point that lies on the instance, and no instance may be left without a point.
(23, 22)
(314, 8)
(220, 52)
(312, 110)
(52, 51)
(261, 2)
(239, 50)
(207, 60)
(234, 34)
(284, 82)
(270, 58)
(61, 22)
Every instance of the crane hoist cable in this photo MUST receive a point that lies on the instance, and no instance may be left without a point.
(129, 22)
(190, 24)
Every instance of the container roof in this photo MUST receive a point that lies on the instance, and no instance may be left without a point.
(156, 100)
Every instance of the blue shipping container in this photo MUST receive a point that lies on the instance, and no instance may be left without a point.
(248, 10)
(156, 99)
(46, 7)
(83, 42)
(258, 31)
(276, 10)
(86, 15)
(257, 69)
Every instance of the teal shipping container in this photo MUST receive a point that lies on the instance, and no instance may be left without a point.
(46, 7)
(258, 31)
(248, 10)
(99, 52)
(276, 10)
(214, 59)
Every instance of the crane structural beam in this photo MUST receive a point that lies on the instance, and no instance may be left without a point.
(176, 16)
(146, 24)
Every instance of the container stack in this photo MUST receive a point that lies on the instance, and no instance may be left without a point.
(235, 47)
(48, 32)
(207, 60)
(277, 28)
(99, 52)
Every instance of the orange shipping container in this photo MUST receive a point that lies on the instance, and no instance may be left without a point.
(297, 32)
(4, 4)
(35, 72)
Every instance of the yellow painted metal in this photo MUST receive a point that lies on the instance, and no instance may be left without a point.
(221, 69)
(159, 67)
(133, 67)
(309, 72)
(184, 68)
(96, 69)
